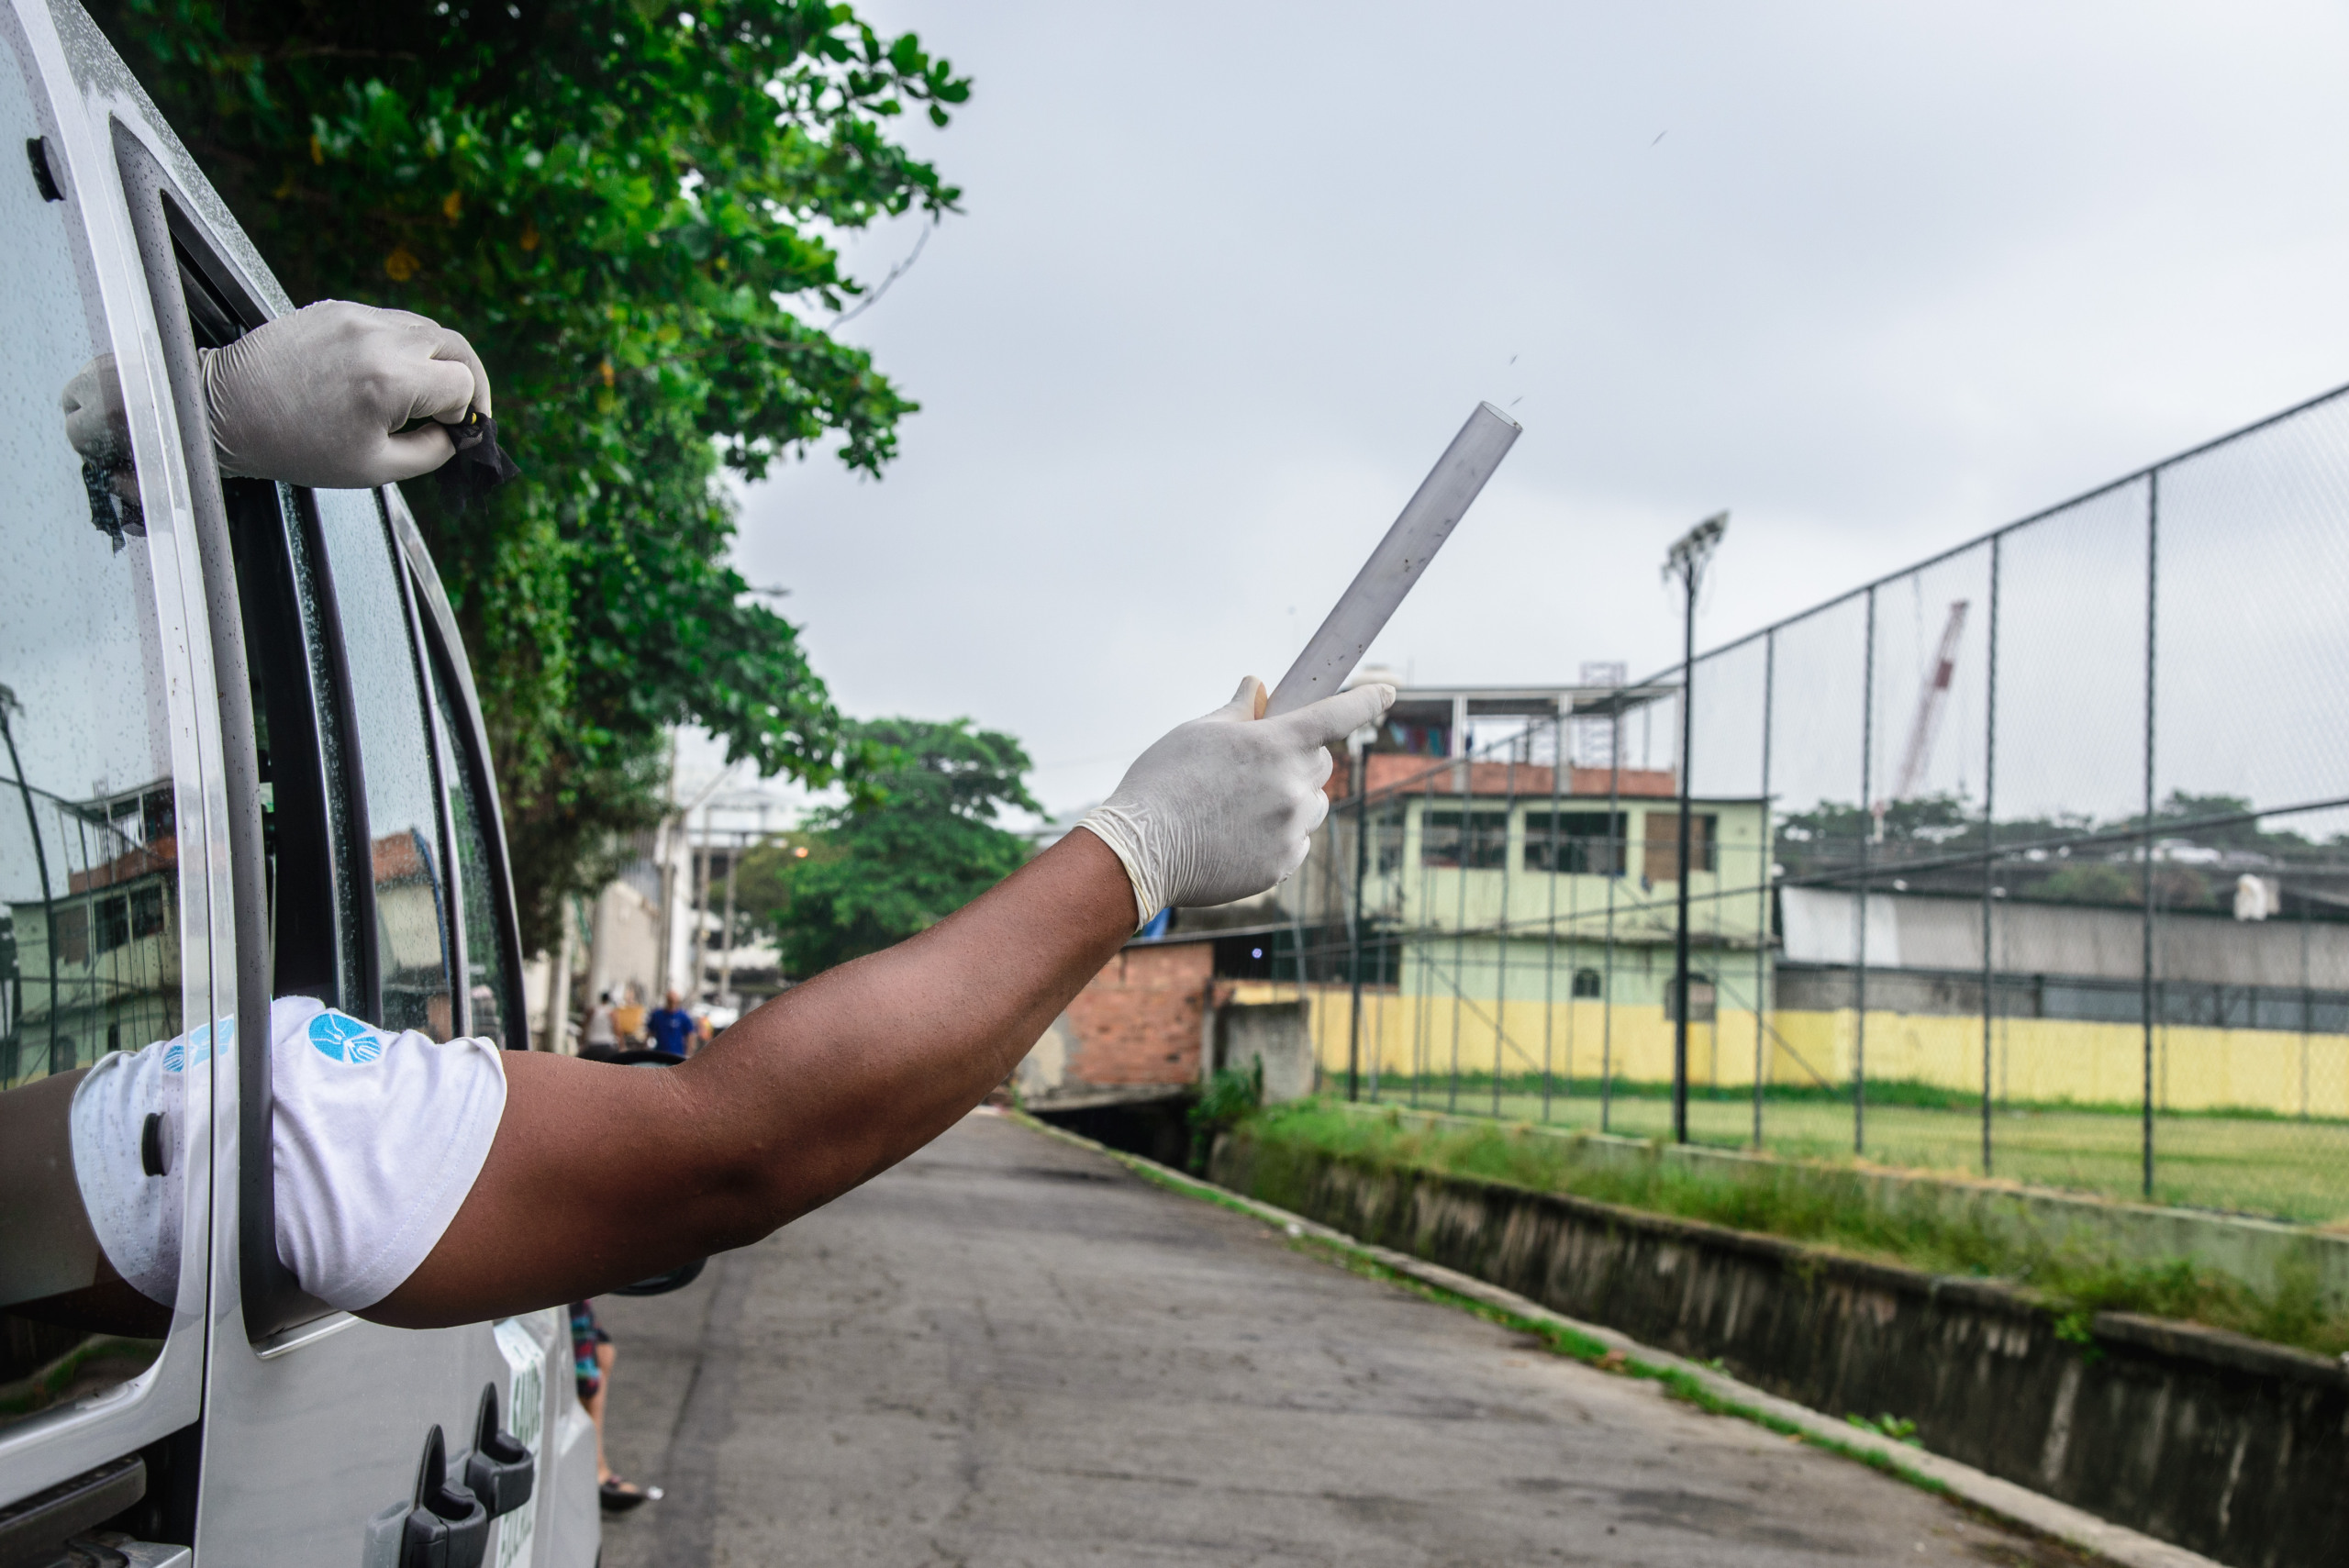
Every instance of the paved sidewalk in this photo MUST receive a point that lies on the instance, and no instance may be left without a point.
(1010, 1351)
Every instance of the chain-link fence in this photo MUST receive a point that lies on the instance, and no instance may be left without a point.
(2030, 861)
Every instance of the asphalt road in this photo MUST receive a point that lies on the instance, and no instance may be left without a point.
(1011, 1352)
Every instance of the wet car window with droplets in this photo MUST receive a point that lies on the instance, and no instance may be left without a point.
(397, 787)
(90, 950)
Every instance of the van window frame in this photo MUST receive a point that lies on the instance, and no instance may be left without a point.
(162, 219)
(153, 1413)
(273, 1303)
(441, 646)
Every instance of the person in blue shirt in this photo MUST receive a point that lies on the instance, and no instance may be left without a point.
(670, 1029)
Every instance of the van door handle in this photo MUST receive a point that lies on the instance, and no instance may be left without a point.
(447, 1527)
(502, 1469)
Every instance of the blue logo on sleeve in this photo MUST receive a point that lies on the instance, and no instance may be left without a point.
(194, 1048)
(341, 1037)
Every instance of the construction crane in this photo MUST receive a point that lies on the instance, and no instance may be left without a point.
(1932, 699)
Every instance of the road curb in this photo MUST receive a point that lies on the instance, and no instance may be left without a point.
(2002, 1500)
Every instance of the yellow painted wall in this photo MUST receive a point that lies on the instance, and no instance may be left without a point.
(2043, 1060)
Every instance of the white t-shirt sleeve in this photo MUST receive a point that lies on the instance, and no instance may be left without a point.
(376, 1138)
(135, 1216)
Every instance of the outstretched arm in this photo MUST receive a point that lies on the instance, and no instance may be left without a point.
(601, 1174)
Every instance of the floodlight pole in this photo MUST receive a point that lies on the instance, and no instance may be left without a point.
(1686, 562)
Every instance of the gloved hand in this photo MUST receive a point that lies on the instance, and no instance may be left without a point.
(1224, 807)
(99, 428)
(95, 422)
(313, 398)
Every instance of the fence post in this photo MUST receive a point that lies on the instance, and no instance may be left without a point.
(1500, 931)
(1463, 772)
(1762, 897)
(1680, 872)
(1558, 765)
(1868, 817)
(1989, 843)
(1549, 973)
(1617, 849)
(2145, 866)
(1354, 925)
(1423, 1045)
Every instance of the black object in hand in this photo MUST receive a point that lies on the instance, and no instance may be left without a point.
(478, 467)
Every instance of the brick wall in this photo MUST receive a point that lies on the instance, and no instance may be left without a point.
(1138, 1020)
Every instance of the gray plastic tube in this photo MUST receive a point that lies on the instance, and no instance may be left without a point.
(1395, 566)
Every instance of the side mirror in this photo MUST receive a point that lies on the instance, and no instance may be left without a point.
(678, 1278)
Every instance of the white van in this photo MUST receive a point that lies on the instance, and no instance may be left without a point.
(242, 759)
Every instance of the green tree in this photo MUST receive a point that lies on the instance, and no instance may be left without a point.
(2090, 882)
(869, 874)
(623, 203)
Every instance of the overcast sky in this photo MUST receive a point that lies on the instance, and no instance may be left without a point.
(1875, 278)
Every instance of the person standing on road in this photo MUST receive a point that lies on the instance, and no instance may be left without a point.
(602, 1041)
(591, 1354)
(628, 1018)
(670, 1029)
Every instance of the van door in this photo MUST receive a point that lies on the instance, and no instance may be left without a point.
(353, 868)
(105, 1238)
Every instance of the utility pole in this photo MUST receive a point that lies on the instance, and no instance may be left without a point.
(726, 963)
(1685, 560)
(1361, 760)
(700, 864)
(666, 842)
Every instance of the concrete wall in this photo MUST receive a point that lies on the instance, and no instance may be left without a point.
(1916, 931)
(625, 954)
(1273, 1033)
(2232, 1448)
(2263, 1254)
(1400, 1027)
(2045, 1060)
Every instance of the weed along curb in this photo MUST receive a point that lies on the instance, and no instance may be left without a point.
(2226, 1445)
(1709, 1388)
(2263, 1254)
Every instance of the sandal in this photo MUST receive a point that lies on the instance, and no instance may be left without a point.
(619, 1496)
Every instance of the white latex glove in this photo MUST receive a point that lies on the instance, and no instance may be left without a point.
(1225, 806)
(313, 398)
(95, 422)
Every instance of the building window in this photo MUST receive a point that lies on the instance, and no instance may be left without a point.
(1700, 999)
(114, 924)
(147, 912)
(1663, 843)
(1485, 836)
(1588, 984)
(1386, 843)
(74, 934)
(1581, 843)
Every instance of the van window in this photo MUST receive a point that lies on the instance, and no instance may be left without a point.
(90, 955)
(397, 793)
(486, 988)
(307, 833)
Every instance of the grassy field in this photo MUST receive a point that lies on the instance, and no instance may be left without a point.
(2252, 1164)
(1790, 1199)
